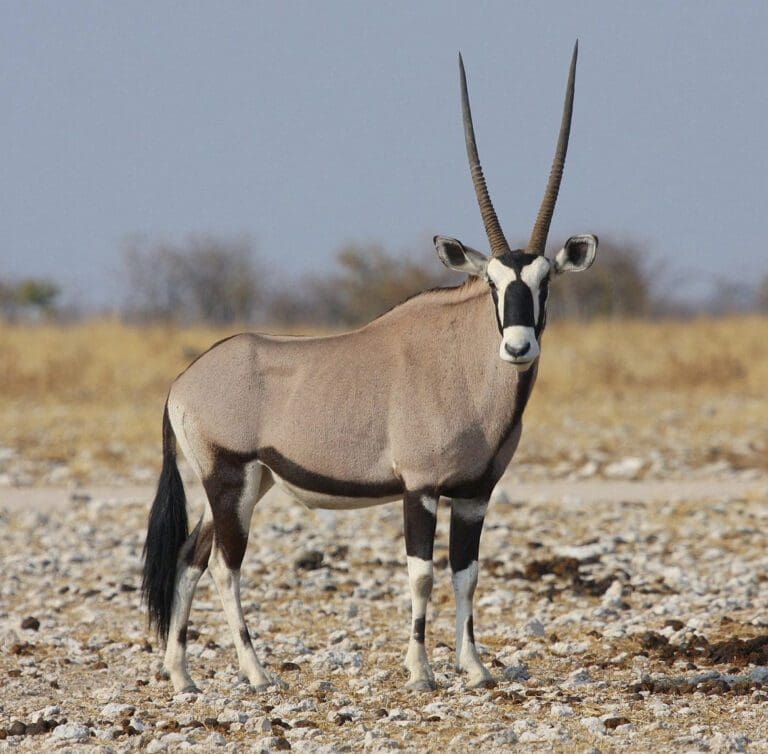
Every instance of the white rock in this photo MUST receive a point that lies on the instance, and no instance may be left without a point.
(137, 724)
(175, 739)
(522, 725)
(71, 732)
(560, 710)
(258, 724)
(114, 711)
(438, 709)
(533, 627)
(626, 468)
(215, 739)
(155, 746)
(232, 716)
(613, 595)
(579, 677)
(518, 672)
(594, 725)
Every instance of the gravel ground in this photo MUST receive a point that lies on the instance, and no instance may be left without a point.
(616, 616)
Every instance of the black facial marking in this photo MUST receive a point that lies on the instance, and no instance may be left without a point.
(419, 526)
(518, 298)
(543, 293)
(419, 629)
(518, 305)
(495, 297)
(464, 545)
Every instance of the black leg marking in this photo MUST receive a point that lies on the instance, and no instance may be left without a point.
(200, 550)
(224, 489)
(182, 637)
(246, 637)
(419, 629)
(419, 524)
(466, 528)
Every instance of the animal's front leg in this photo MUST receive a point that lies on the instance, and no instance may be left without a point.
(466, 526)
(420, 517)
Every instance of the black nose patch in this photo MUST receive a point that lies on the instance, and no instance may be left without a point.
(518, 305)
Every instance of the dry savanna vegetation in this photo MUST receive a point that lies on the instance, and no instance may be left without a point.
(80, 401)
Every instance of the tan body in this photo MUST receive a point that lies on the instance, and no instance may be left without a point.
(433, 403)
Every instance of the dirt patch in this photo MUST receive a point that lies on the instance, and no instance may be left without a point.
(697, 648)
(569, 569)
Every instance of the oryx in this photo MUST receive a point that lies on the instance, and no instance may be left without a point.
(423, 402)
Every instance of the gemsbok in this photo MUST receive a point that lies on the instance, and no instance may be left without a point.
(423, 402)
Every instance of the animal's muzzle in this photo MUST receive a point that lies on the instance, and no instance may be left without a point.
(517, 352)
(519, 346)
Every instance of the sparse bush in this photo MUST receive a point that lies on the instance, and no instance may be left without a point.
(34, 297)
(617, 285)
(369, 281)
(204, 279)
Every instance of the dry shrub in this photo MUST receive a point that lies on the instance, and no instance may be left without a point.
(622, 356)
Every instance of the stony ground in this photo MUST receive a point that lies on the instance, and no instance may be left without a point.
(616, 617)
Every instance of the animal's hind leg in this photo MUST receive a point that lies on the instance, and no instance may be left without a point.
(193, 560)
(233, 490)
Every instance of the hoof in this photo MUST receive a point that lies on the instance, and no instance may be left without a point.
(484, 682)
(190, 688)
(421, 685)
(279, 683)
(272, 683)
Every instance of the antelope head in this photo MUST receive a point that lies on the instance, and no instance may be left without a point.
(518, 278)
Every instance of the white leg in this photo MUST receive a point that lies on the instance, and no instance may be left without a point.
(466, 526)
(176, 648)
(228, 586)
(416, 661)
(233, 493)
(192, 561)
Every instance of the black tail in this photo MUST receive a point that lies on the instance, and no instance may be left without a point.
(166, 533)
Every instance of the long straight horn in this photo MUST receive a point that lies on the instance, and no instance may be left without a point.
(492, 227)
(541, 228)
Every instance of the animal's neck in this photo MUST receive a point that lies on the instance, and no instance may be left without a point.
(502, 389)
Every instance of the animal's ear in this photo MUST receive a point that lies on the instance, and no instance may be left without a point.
(456, 256)
(577, 254)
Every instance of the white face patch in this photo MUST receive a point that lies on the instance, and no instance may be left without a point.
(532, 276)
(519, 345)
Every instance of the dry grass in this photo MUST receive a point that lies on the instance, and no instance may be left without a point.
(91, 395)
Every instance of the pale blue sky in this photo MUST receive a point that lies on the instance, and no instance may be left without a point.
(307, 125)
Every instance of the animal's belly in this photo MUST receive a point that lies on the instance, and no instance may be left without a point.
(312, 499)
